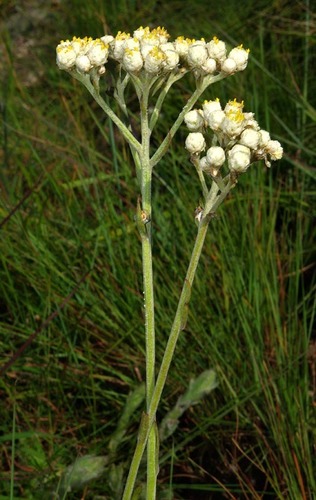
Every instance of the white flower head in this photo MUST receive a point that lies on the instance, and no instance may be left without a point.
(209, 66)
(229, 66)
(239, 158)
(240, 56)
(214, 119)
(83, 64)
(118, 45)
(132, 60)
(162, 34)
(194, 120)
(250, 138)
(132, 43)
(197, 54)
(172, 57)
(250, 121)
(215, 156)
(65, 55)
(195, 143)
(98, 52)
(141, 32)
(234, 122)
(151, 39)
(264, 138)
(274, 150)
(213, 113)
(79, 44)
(210, 106)
(182, 45)
(154, 60)
(107, 39)
(216, 49)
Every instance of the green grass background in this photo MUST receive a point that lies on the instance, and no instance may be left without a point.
(70, 267)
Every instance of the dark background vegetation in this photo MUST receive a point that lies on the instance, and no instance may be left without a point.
(71, 285)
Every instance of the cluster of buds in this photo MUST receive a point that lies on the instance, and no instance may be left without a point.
(150, 51)
(237, 138)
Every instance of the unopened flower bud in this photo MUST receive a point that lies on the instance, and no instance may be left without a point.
(197, 54)
(229, 66)
(213, 113)
(250, 138)
(83, 64)
(264, 138)
(215, 119)
(172, 57)
(216, 49)
(239, 158)
(194, 120)
(107, 39)
(215, 156)
(209, 66)
(195, 143)
(240, 56)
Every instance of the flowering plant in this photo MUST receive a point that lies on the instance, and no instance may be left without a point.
(152, 64)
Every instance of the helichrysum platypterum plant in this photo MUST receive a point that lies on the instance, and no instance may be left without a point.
(152, 64)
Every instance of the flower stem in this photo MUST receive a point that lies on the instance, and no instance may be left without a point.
(146, 190)
(178, 324)
(132, 141)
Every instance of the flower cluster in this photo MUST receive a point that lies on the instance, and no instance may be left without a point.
(238, 138)
(151, 52)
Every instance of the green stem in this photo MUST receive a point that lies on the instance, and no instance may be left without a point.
(168, 84)
(178, 324)
(133, 142)
(146, 189)
(148, 420)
